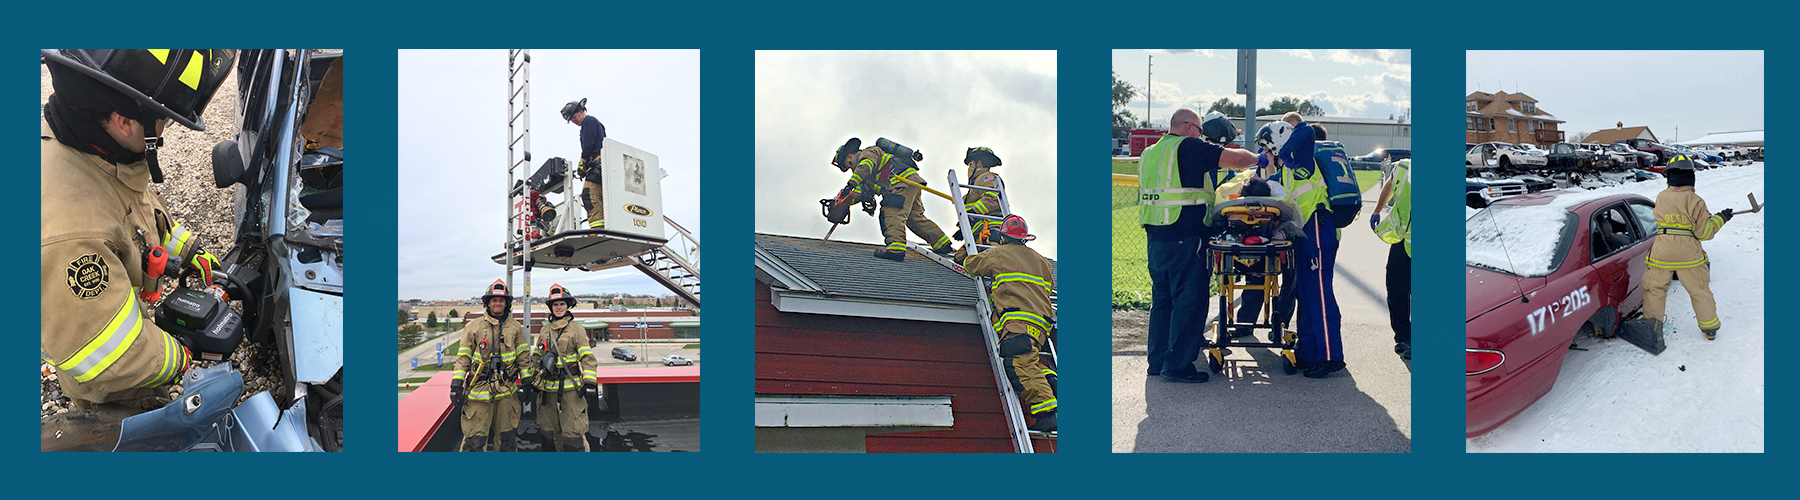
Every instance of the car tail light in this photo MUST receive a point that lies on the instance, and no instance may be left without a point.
(1479, 361)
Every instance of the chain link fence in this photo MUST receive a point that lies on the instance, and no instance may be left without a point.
(1130, 266)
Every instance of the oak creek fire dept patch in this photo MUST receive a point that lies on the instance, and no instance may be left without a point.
(87, 276)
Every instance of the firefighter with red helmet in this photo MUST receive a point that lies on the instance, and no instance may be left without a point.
(489, 363)
(1021, 281)
(877, 170)
(562, 368)
(107, 239)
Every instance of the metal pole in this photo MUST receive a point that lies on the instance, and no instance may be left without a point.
(1151, 63)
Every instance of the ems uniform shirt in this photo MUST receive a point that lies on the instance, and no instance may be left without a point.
(1198, 161)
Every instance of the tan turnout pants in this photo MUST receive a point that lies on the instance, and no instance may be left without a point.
(1697, 281)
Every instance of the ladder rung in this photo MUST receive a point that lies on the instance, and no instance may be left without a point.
(979, 188)
(988, 217)
(515, 117)
(516, 92)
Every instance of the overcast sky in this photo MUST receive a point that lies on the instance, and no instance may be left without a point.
(452, 113)
(1699, 91)
(1363, 83)
(940, 103)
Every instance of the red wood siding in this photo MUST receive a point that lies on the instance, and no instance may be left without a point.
(822, 354)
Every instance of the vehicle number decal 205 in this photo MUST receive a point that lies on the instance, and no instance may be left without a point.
(1543, 317)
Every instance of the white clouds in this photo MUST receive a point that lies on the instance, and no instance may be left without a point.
(939, 102)
(1345, 80)
(1198, 52)
(1300, 53)
(1391, 57)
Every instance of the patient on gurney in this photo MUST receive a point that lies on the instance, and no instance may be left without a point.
(1252, 216)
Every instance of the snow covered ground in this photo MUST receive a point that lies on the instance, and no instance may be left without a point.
(1699, 395)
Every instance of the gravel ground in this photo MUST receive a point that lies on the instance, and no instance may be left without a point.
(188, 191)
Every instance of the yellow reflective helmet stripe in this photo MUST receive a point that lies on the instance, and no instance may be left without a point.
(106, 347)
(162, 55)
(191, 74)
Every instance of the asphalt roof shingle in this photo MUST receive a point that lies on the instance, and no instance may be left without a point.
(851, 269)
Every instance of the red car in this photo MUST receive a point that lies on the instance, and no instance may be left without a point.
(1543, 268)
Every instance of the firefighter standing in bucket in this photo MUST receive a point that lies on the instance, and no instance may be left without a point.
(1682, 222)
(1020, 284)
(107, 239)
(562, 369)
(981, 162)
(593, 136)
(874, 170)
(488, 365)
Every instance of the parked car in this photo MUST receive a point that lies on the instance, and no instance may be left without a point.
(1632, 158)
(1566, 156)
(1482, 192)
(674, 360)
(1503, 155)
(1529, 296)
(1533, 182)
(1663, 152)
(621, 352)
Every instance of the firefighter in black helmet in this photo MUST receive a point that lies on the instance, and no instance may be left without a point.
(102, 227)
(981, 162)
(593, 136)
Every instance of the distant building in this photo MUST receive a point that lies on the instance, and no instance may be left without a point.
(1512, 118)
(1620, 132)
(1359, 135)
(1746, 138)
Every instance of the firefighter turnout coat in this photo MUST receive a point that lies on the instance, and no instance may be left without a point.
(97, 220)
(485, 338)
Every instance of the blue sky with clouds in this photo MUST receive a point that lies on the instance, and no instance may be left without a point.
(452, 167)
(1360, 83)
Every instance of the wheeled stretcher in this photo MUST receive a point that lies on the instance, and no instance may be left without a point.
(1251, 249)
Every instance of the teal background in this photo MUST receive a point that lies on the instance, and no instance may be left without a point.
(727, 34)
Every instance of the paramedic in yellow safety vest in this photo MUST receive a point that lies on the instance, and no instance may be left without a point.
(593, 136)
(981, 162)
(1392, 222)
(876, 170)
(562, 370)
(1177, 179)
(1020, 282)
(1682, 222)
(102, 226)
(489, 363)
(1291, 143)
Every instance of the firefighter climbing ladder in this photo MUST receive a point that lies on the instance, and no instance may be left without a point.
(984, 310)
(518, 153)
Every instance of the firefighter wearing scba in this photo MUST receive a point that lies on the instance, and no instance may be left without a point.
(1682, 222)
(593, 135)
(875, 170)
(981, 162)
(107, 240)
(562, 369)
(1021, 281)
(489, 362)
(1291, 140)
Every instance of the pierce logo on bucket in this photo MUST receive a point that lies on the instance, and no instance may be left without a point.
(638, 210)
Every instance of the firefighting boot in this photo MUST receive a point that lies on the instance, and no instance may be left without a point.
(1711, 333)
(475, 443)
(946, 250)
(576, 443)
(507, 441)
(895, 256)
(1045, 422)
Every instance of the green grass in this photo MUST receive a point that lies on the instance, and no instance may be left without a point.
(415, 380)
(691, 346)
(1366, 179)
(1124, 167)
